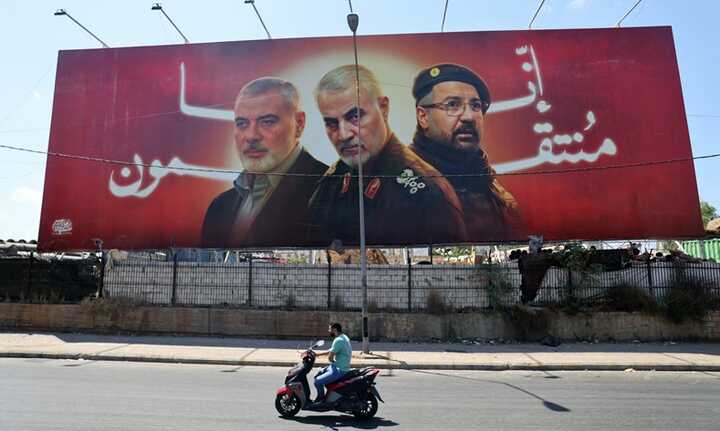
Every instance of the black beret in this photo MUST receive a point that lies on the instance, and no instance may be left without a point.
(433, 75)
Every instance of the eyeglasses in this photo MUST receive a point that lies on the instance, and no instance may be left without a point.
(455, 108)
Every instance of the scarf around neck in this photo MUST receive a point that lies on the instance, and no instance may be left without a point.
(452, 161)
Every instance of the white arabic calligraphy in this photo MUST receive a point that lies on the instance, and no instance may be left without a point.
(157, 171)
(543, 128)
(199, 111)
(545, 155)
(542, 106)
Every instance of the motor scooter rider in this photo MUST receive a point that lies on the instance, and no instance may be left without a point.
(339, 356)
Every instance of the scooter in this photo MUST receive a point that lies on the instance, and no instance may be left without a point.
(354, 393)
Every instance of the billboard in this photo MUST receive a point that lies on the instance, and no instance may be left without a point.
(463, 138)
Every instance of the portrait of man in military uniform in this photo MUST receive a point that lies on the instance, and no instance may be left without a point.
(268, 202)
(451, 103)
(406, 200)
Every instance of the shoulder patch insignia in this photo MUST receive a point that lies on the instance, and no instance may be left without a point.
(410, 181)
(372, 188)
(331, 169)
(346, 183)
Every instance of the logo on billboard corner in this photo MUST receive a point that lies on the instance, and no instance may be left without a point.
(62, 226)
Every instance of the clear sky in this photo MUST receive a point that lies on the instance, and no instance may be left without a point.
(31, 38)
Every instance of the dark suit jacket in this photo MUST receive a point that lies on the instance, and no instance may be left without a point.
(284, 219)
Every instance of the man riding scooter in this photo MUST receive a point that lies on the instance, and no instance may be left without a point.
(339, 356)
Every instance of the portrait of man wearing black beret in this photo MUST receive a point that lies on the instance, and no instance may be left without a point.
(451, 102)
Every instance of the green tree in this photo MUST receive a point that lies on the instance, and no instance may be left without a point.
(708, 212)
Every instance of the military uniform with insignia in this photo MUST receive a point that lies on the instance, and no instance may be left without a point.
(405, 199)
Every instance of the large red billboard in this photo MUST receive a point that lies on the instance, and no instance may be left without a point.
(462, 137)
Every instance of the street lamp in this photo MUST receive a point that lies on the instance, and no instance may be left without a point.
(252, 2)
(158, 6)
(353, 19)
(63, 12)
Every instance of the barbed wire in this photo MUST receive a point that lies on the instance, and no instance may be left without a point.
(286, 174)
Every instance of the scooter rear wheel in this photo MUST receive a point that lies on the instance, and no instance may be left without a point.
(370, 407)
(288, 405)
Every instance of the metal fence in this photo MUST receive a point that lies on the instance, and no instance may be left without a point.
(655, 278)
(259, 284)
(390, 287)
(38, 280)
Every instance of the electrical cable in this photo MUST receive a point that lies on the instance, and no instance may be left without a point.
(227, 171)
(24, 100)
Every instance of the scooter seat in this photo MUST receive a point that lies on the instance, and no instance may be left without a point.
(354, 372)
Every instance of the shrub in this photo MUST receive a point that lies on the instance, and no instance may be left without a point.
(290, 301)
(570, 304)
(529, 323)
(435, 304)
(629, 298)
(338, 303)
(688, 300)
(499, 287)
(373, 306)
(51, 296)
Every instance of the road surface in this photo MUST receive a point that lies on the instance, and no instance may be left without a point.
(40, 394)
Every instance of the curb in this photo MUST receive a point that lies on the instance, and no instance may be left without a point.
(386, 366)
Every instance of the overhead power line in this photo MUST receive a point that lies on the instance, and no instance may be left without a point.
(628, 12)
(542, 2)
(228, 171)
(703, 115)
(27, 96)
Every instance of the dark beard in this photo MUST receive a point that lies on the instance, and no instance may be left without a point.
(456, 162)
(468, 129)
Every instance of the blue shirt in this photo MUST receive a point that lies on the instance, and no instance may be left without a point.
(343, 352)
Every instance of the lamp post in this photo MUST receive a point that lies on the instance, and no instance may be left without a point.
(252, 2)
(158, 6)
(353, 20)
(63, 12)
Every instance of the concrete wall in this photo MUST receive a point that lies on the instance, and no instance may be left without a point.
(311, 324)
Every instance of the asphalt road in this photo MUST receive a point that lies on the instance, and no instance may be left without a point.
(39, 394)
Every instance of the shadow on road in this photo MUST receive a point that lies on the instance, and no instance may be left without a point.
(547, 404)
(336, 422)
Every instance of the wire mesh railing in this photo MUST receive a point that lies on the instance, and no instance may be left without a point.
(262, 284)
(390, 287)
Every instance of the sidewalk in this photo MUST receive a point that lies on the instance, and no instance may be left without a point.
(461, 356)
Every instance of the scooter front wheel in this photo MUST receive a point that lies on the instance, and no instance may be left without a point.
(288, 405)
